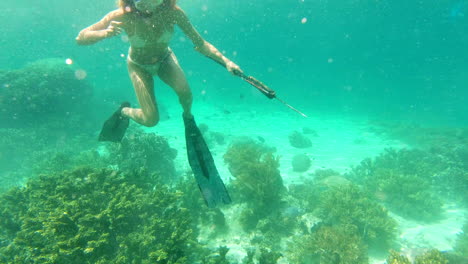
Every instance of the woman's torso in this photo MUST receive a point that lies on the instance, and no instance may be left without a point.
(149, 36)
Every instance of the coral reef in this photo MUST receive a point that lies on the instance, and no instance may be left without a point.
(249, 259)
(258, 187)
(461, 246)
(298, 140)
(274, 227)
(301, 162)
(46, 91)
(94, 216)
(43, 106)
(212, 137)
(304, 195)
(257, 180)
(310, 131)
(138, 152)
(147, 151)
(445, 148)
(261, 255)
(268, 256)
(218, 137)
(329, 245)
(255, 169)
(191, 197)
(431, 257)
(219, 258)
(348, 205)
(396, 258)
(18, 144)
(243, 150)
(409, 195)
(28, 151)
(424, 137)
(49, 162)
(324, 179)
(211, 221)
(403, 181)
(453, 179)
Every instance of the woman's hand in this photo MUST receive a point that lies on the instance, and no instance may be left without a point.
(233, 68)
(113, 29)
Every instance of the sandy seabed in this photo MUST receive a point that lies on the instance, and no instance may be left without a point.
(338, 142)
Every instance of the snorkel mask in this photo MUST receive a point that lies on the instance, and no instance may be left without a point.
(147, 5)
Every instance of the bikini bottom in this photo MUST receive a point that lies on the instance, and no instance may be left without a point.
(151, 68)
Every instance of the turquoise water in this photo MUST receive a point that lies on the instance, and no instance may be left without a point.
(371, 76)
(390, 57)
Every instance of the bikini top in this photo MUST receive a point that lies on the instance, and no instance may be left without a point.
(137, 41)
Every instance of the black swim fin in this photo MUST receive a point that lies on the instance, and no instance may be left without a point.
(114, 128)
(209, 182)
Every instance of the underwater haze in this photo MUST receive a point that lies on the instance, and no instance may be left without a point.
(397, 59)
(376, 173)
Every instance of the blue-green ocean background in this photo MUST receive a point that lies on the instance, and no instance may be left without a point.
(399, 60)
(384, 83)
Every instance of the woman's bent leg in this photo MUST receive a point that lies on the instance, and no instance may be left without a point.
(143, 84)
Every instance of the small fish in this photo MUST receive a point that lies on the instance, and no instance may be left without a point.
(293, 211)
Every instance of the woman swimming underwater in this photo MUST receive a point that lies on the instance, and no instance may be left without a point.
(149, 25)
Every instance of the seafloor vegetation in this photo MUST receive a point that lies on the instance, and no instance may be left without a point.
(46, 91)
(95, 216)
(403, 180)
(67, 199)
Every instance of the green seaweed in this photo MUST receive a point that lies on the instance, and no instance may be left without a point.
(94, 216)
(396, 258)
(218, 258)
(268, 256)
(348, 205)
(305, 195)
(257, 181)
(403, 180)
(329, 245)
(261, 255)
(211, 219)
(144, 150)
(249, 258)
(441, 157)
(431, 257)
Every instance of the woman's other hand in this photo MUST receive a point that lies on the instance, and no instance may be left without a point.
(113, 29)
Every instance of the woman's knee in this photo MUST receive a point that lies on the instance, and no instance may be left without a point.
(185, 94)
(150, 121)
